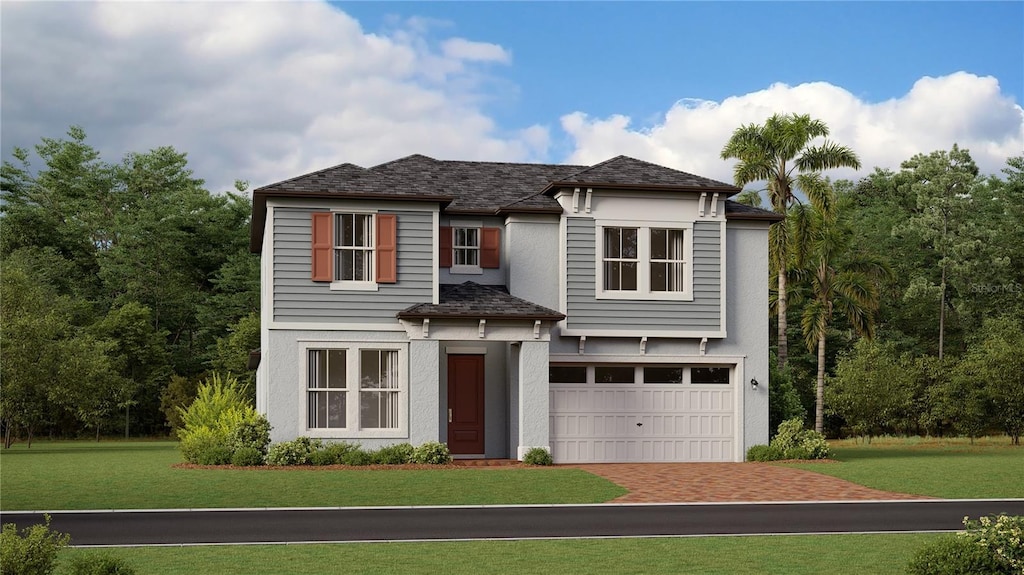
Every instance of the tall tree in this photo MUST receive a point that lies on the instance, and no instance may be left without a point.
(780, 153)
(942, 183)
(834, 281)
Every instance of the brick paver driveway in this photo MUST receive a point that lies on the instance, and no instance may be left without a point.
(714, 482)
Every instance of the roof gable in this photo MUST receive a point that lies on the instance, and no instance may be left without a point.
(634, 173)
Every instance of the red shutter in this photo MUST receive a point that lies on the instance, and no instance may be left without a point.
(445, 251)
(323, 247)
(387, 248)
(490, 247)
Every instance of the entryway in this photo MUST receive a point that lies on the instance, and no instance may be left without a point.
(466, 405)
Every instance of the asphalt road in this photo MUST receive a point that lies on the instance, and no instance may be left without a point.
(402, 524)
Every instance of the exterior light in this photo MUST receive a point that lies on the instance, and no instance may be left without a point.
(753, 383)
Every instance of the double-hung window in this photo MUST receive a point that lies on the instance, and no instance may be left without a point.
(644, 261)
(469, 247)
(466, 250)
(353, 247)
(355, 391)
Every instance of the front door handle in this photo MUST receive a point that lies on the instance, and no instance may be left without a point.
(449, 415)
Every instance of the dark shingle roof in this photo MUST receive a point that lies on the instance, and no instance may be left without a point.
(626, 171)
(471, 300)
(738, 211)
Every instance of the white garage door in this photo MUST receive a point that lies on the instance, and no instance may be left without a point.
(606, 413)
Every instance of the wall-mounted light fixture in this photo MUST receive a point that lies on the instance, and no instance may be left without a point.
(753, 383)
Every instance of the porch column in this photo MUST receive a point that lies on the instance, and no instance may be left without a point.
(424, 391)
(533, 396)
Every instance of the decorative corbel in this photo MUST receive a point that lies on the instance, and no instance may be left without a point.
(590, 192)
(583, 343)
(426, 328)
(714, 204)
(536, 329)
(576, 200)
(483, 324)
(700, 205)
(704, 346)
(643, 345)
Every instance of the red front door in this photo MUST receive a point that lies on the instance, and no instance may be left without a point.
(466, 404)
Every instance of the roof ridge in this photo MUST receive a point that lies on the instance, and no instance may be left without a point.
(313, 173)
(403, 159)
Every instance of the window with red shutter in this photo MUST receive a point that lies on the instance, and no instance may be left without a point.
(490, 247)
(387, 248)
(323, 247)
(444, 250)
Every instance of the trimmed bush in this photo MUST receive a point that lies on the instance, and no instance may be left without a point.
(99, 565)
(953, 555)
(219, 422)
(358, 457)
(247, 457)
(989, 546)
(33, 551)
(253, 431)
(795, 442)
(322, 457)
(432, 452)
(764, 453)
(393, 454)
(205, 446)
(295, 452)
(537, 456)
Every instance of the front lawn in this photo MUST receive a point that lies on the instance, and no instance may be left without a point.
(946, 468)
(790, 555)
(139, 475)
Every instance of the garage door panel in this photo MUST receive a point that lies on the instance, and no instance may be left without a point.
(598, 423)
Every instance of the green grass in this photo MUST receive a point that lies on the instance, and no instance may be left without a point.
(139, 475)
(946, 468)
(790, 555)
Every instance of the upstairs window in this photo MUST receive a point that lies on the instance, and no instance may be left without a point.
(469, 248)
(353, 247)
(644, 262)
(354, 251)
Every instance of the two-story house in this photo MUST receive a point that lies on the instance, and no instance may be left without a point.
(615, 312)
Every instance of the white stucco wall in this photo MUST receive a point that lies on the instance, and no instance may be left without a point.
(533, 397)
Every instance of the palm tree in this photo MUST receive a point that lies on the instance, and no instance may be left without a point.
(832, 282)
(780, 154)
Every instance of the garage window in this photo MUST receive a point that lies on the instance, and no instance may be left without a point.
(567, 374)
(614, 374)
(661, 374)
(715, 375)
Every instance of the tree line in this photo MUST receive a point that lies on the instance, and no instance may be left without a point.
(906, 287)
(122, 283)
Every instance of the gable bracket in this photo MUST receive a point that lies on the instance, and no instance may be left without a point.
(704, 346)
(426, 327)
(714, 204)
(643, 345)
(576, 200)
(583, 343)
(590, 192)
(483, 325)
(700, 205)
(536, 329)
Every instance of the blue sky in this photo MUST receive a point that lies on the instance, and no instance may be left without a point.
(267, 91)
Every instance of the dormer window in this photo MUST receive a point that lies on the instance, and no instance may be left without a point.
(644, 261)
(466, 250)
(469, 248)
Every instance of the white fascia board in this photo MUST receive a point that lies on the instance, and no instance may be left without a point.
(642, 331)
(333, 326)
(668, 358)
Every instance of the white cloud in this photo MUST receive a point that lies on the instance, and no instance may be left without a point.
(463, 49)
(959, 108)
(256, 91)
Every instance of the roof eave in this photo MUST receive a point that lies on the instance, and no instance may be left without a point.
(478, 316)
(728, 190)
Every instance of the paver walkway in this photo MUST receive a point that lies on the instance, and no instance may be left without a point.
(716, 482)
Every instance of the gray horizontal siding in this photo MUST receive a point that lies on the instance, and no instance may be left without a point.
(644, 317)
(298, 299)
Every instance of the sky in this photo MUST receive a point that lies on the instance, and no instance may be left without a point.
(263, 91)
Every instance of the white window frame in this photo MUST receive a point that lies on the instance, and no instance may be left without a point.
(643, 291)
(466, 269)
(355, 285)
(353, 429)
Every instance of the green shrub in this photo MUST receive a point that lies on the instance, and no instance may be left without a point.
(432, 452)
(247, 457)
(294, 452)
(358, 457)
(991, 546)
(322, 457)
(537, 456)
(795, 442)
(396, 454)
(252, 431)
(99, 565)
(764, 453)
(219, 422)
(33, 551)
